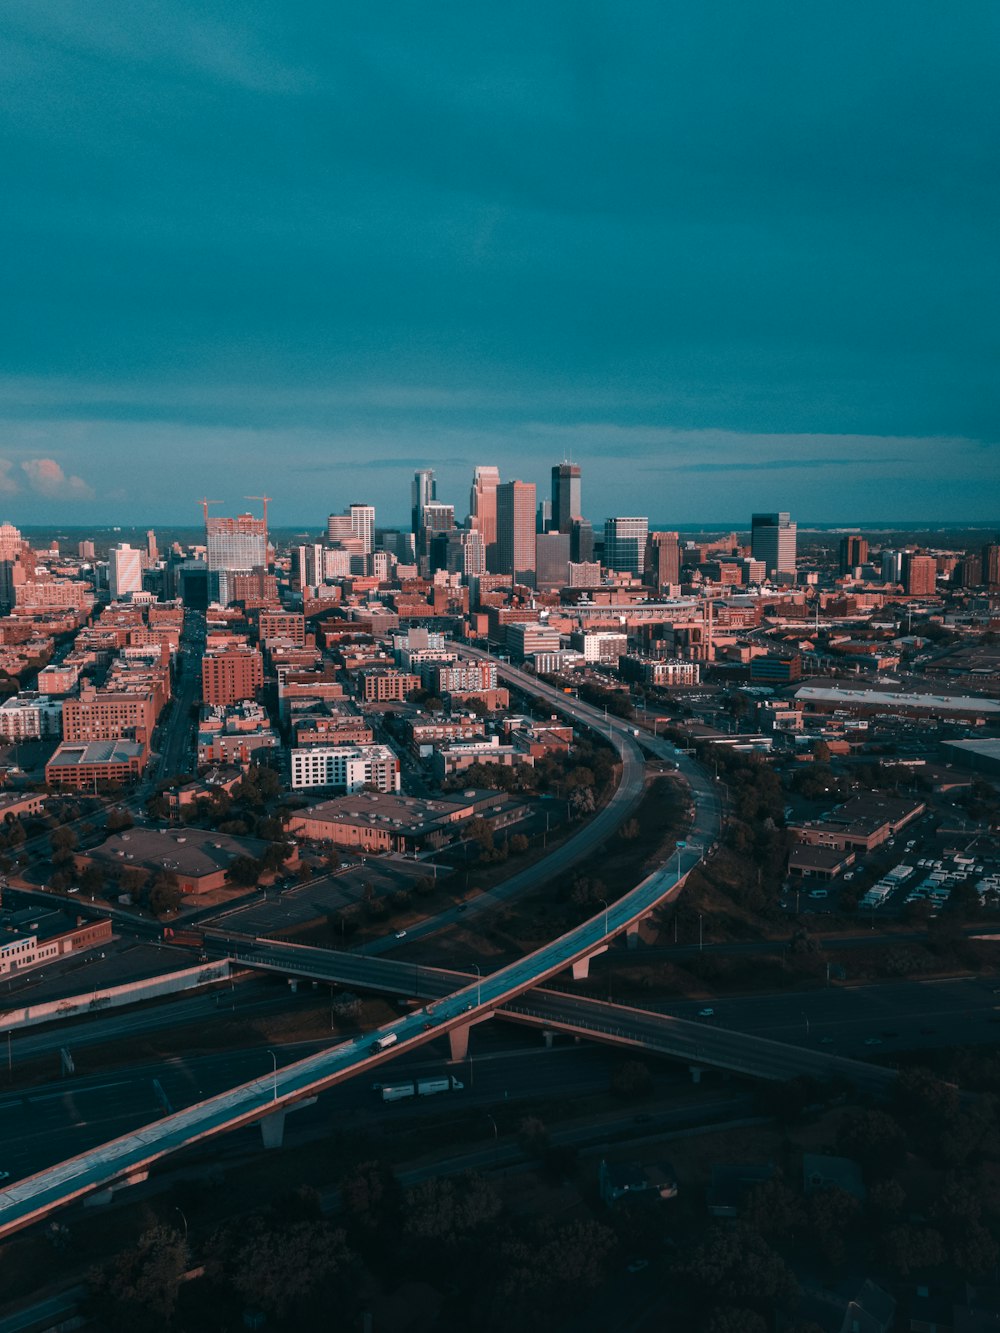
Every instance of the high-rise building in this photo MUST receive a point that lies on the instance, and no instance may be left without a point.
(892, 566)
(234, 545)
(85, 550)
(152, 550)
(363, 525)
(625, 544)
(423, 491)
(581, 541)
(773, 540)
(853, 552)
(339, 527)
(551, 560)
(566, 499)
(543, 516)
(483, 510)
(991, 564)
(663, 560)
(465, 552)
(124, 570)
(516, 531)
(919, 574)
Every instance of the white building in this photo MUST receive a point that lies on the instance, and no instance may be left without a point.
(28, 716)
(345, 767)
(124, 570)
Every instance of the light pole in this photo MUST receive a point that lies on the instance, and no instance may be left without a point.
(701, 931)
(680, 848)
(806, 1017)
(275, 1060)
(605, 906)
(183, 1219)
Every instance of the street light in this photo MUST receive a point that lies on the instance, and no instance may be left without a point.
(275, 1060)
(806, 1017)
(496, 1139)
(183, 1219)
(701, 932)
(605, 906)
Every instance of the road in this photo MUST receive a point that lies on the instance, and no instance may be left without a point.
(130, 1155)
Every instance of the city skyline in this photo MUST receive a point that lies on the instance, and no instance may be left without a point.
(722, 265)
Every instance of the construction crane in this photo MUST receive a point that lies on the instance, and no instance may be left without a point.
(266, 500)
(204, 505)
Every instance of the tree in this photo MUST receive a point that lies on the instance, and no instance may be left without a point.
(874, 1139)
(445, 1211)
(165, 894)
(278, 1271)
(138, 1289)
(632, 1080)
(372, 1204)
(118, 819)
(244, 870)
(518, 844)
(734, 1265)
(532, 1136)
(735, 1319)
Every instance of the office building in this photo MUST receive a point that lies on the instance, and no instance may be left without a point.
(483, 511)
(85, 550)
(234, 545)
(581, 541)
(465, 553)
(152, 550)
(892, 566)
(991, 564)
(773, 540)
(552, 560)
(423, 491)
(566, 496)
(516, 531)
(663, 560)
(919, 574)
(853, 553)
(339, 528)
(363, 525)
(543, 516)
(625, 544)
(124, 571)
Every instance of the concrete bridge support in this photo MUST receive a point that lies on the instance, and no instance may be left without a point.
(581, 968)
(272, 1127)
(105, 1196)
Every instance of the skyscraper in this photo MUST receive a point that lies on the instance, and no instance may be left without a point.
(124, 570)
(773, 539)
(483, 511)
(516, 531)
(991, 564)
(551, 560)
(919, 574)
(663, 560)
(234, 545)
(853, 552)
(423, 491)
(362, 518)
(152, 551)
(566, 505)
(625, 544)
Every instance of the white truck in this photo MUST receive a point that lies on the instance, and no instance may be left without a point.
(420, 1087)
(383, 1043)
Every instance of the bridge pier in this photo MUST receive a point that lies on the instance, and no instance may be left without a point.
(696, 1072)
(632, 935)
(548, 1036)
(103, 1197)
(272, 1127)
(581, 968)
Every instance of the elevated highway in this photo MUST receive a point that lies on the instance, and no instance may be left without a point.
(128, 1159)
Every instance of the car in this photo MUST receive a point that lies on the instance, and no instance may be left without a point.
(849, 875)
(400, 934)
(462, 907)
(637, 1265)
(873, 1041)
(707, 1012)
(4, 1175)
(819, 893)
(826, 1041)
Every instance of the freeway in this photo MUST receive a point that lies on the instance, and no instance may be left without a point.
(130, 1156)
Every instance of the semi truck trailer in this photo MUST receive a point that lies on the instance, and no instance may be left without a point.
(420, 1087)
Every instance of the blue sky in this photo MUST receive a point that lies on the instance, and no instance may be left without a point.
(725, 256)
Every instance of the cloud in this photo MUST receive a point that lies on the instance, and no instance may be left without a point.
(46, 477)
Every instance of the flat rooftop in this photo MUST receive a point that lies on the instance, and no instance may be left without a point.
(193, 852)
(943, 703)
(71, 754)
